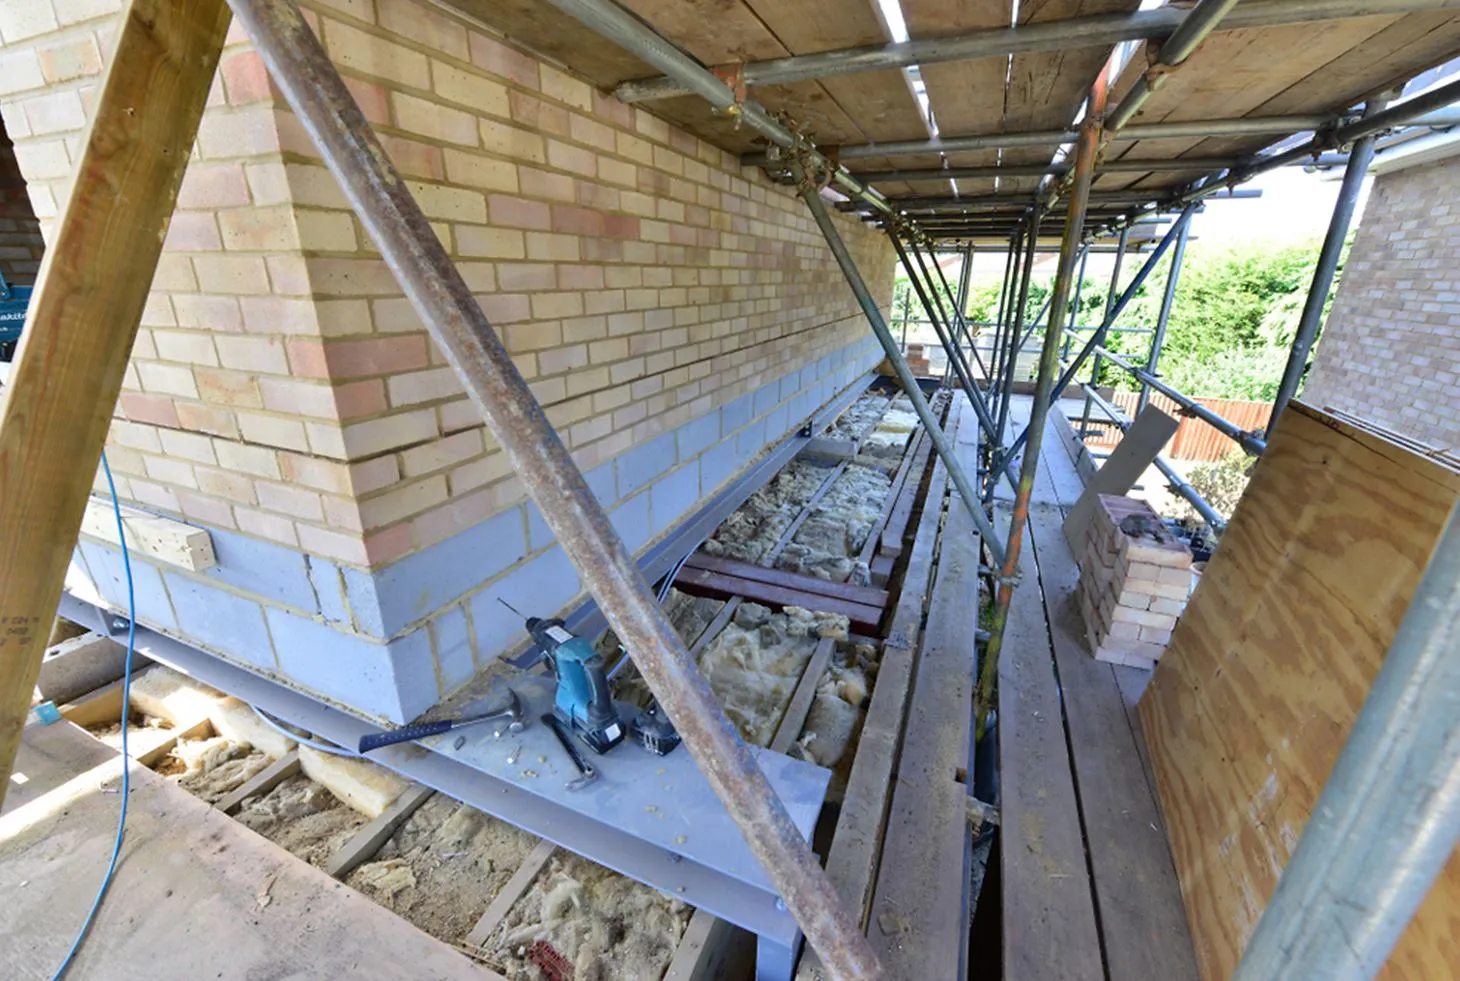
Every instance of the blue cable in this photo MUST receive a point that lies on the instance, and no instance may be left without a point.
(126, 707)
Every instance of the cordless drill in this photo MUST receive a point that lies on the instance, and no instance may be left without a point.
(582, 700)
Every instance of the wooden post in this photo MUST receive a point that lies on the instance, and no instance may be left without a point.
(83, 319)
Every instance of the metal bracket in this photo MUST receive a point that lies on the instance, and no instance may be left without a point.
(734, 78)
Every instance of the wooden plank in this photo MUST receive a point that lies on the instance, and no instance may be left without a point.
(1142, 920)
(701, 582)
(149, 746)
(800, 704)
(1252, 702)
(93, 708)
(856, 844)
(63, 385)
(916, 458)
(260, 783)
(49, 756)
(861, 595)
(705, 949)
(889, 537)
(156, 537)
(1050, 931)
(1132, 456)
(919, 921)
(502, 903)
(197, 895)
(367, 841)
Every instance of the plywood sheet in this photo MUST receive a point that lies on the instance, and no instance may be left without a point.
(1252, 702)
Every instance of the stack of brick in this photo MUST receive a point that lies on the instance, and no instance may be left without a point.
(917, 360)
(1134, 579)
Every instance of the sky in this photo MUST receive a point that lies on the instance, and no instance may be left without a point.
(1294, 208)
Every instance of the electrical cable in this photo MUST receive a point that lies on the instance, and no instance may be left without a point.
(282, 729)
(126, 711)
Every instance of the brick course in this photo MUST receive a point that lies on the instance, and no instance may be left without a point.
(651, 291)
(1390, 351)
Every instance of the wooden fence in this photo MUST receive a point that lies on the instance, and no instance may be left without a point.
(1194, 440)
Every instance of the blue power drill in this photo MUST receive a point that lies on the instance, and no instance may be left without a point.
(582, 701)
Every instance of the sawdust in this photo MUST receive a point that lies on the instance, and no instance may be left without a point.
(212, 768)
(754, 664)
(608, 927)
(860, 417)
(443, 866)
(754, 527)
(828, 542)
(301, 817)
(834, 724)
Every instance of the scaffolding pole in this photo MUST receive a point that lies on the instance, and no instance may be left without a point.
(1360, 157)
(960, 318)
(1085, 154)
(1006, 297)
(1163, 320)
(1058, 35)
(1011, 357)
(1093, 345)
(1172, 52)
(824, 221)
(1110, 296)
(382, 200)
(1388, 818)
(1254, 445)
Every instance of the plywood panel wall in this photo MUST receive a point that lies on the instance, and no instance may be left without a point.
(1268, 668)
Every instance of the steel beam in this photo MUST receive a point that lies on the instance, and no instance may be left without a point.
(1201, 21)
(1163, 319)
(824, 221)
(1085, 154)
(383, 201)
(1094, 31)
(1388, 818)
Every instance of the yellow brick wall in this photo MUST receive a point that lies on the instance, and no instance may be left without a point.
(281, 385)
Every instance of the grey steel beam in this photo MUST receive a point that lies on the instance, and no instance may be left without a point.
(824, 221)
(1201, 21)
(1388, 818)
(1094, 31)
(395, 223)
(1311, 320)
(1163, 319)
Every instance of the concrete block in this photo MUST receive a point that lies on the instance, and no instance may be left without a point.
(365, 786)
(539, 535)
(736, 414)
(602, 482)
(425, 581)
(81, 664)
(153, 606)
(777, 423)
(718, 464)
(223, 621)
(451, 637)
(698, 435)
(541, 587)
(644, 462)
(631, 520)
(329, 589)
(788, 386)
(264, 569)
(414, 668)
(751, 440)
(674, 495)
(766, 398)
(238, 721)
(363, 600)
(167, 694)
(348, 669)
